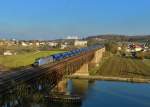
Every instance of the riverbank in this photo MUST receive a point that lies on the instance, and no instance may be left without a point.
(109, 78)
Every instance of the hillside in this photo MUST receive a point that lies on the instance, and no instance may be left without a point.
(121, 37)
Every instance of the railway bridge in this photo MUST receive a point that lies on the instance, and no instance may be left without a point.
(49, 75)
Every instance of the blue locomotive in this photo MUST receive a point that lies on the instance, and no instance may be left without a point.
(59, 56)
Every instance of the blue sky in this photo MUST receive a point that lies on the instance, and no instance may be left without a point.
(50, 19)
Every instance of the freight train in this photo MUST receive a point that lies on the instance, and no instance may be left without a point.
(59, 56)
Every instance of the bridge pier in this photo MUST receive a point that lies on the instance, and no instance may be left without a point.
(97, 57)
(84, 69)
(61, 86)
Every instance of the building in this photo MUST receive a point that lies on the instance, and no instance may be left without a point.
(119, 48)
(30, 44)
(38, 44)
(80, 43)
(24, 44)
(52, 44)
(7, 53)
(63, 46)
(134, 48)
(138, 48)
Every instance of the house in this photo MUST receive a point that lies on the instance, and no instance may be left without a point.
(30, 43)
(24, 44)
(138, 48)
(41, 43)
(134, 48)
(52, 44)
(80, 43)
(7, 53)
(63, 46)
(119, 48)
(38, 44)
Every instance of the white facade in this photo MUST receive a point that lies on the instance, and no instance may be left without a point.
(7, 53)
(24, 44)
(30, 44)
(119, 48)
(63, 46)
(52, 43)
(80, 43)
(138, 49)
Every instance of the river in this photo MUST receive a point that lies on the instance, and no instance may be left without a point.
(94, 94)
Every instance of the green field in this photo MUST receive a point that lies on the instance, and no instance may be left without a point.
(125, 67)
(16, 61)
(147, 62)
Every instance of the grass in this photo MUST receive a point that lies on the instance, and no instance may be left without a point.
(125, 67)
(25, 59)
(147, 62)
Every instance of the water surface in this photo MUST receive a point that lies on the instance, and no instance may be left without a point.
(93, 93)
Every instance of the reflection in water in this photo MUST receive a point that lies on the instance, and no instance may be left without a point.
(35, 92)
(79, 87)
(94, 93)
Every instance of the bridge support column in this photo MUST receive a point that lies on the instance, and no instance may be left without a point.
(83, 70)
(97, 57)
(61, 86)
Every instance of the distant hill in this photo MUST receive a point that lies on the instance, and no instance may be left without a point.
(121, 37)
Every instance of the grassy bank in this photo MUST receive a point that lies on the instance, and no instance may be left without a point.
(124, 67)
(109, 78)
(25, 59)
